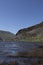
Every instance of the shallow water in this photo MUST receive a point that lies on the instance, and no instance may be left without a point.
(13, 48)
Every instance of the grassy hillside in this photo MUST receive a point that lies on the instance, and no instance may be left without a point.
(6, 36)
(31, 34)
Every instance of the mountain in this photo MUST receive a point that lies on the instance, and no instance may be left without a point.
(30, 34)
(6, 36)
(33, 33)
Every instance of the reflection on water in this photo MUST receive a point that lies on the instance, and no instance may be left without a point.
(12, 48)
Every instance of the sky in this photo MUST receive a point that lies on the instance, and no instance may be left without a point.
(18, 14)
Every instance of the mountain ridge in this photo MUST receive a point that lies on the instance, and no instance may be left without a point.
(31, 27)
(31, 34)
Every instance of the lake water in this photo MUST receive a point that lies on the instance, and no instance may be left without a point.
(12, 48)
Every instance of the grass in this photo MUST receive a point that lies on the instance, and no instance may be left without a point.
(6, 36)
(34, 39)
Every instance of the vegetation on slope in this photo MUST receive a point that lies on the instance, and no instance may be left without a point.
(33, 33)
(6, 36)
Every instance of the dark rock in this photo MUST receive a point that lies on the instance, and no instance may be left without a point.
(41, 46)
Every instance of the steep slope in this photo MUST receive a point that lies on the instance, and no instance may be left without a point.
(33, 33)
(6, 36)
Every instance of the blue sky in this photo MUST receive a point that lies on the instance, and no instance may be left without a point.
(17, 14)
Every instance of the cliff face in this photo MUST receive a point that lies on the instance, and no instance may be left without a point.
(33, 33)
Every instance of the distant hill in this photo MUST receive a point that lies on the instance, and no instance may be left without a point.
(6, 36)
(33, 33)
